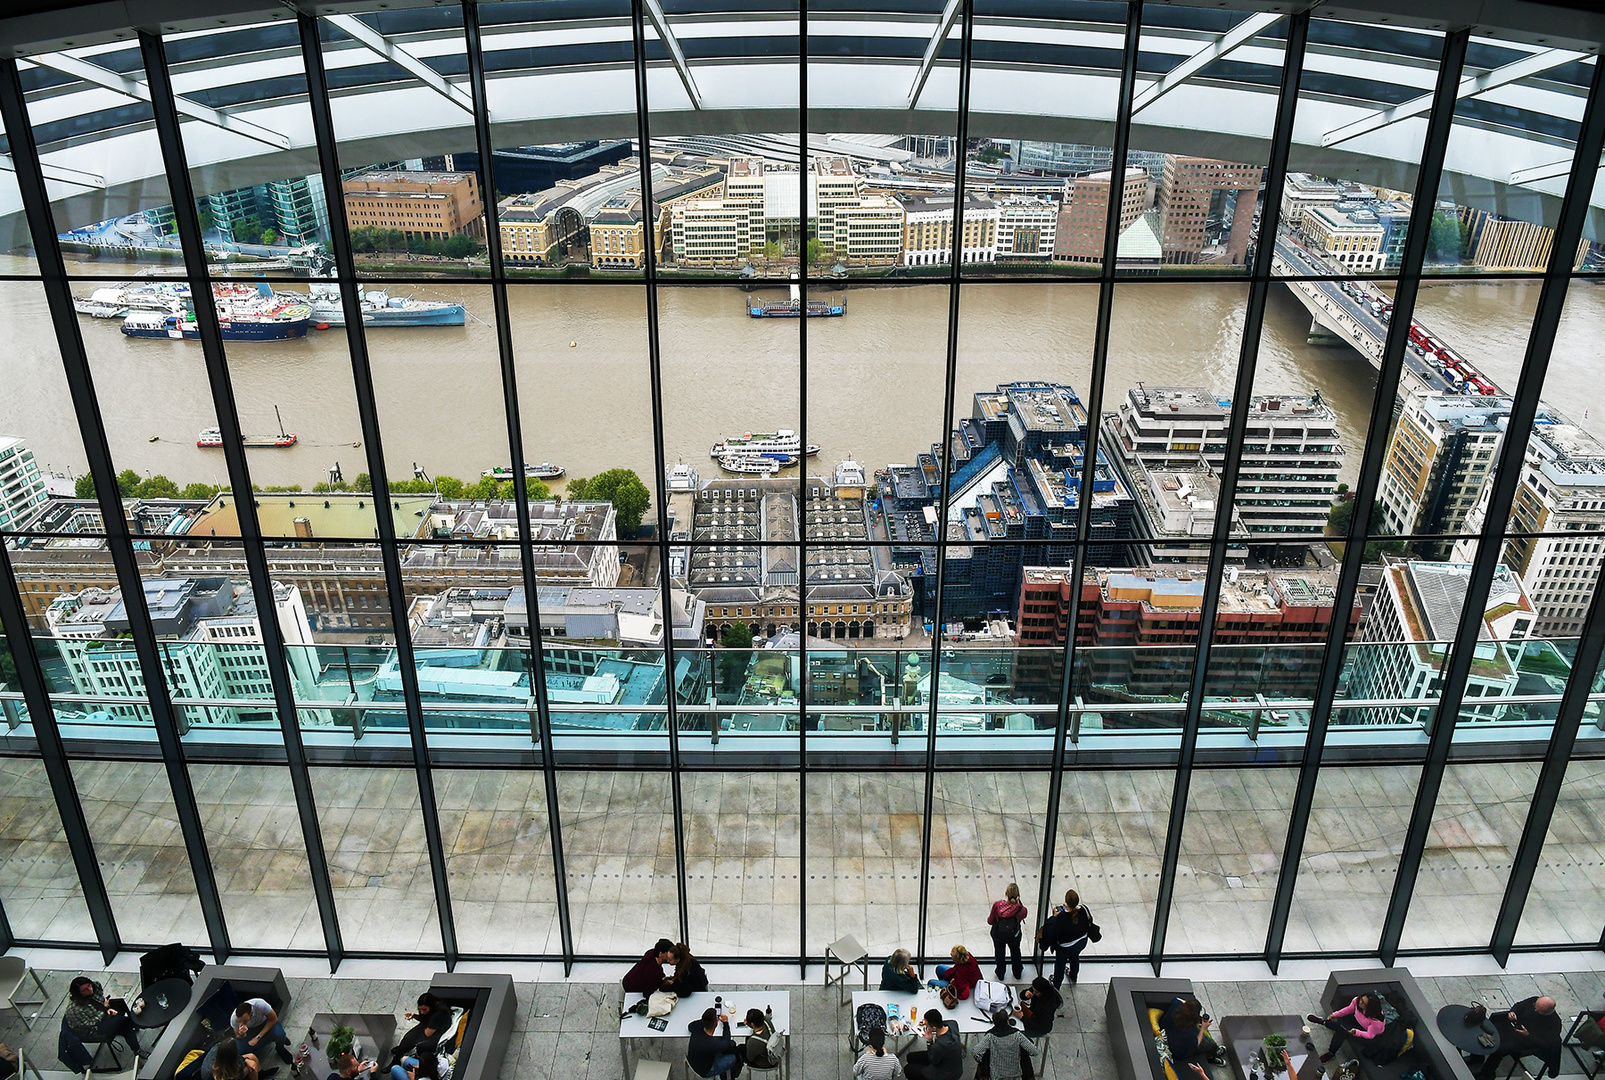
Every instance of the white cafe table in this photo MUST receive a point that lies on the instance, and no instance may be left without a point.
(634, 1027)
(966, 1017)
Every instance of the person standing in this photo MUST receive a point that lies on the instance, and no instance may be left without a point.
(943, 1056)
(1003, 1047)
(647, 974)
(1006, 918)
(1065, 932)
(93, 1018)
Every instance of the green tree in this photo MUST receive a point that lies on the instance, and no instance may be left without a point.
(772, 250)
(459, 246)
(198, 491)
(84, 487)
(450, 487)
(1342, 514)
(127, 482)
(816, 250)
(624, 490)
(1446, 243)
(362, 240)
(737, 638)
(363, 482)
(269, 236)
(577, 489)
(483, 488)
(203, 210)
(157, 487)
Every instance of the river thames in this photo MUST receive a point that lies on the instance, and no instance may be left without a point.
(874, 378)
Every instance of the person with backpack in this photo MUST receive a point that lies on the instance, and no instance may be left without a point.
(1005, 1050)
(1005, 919)
(763, 1046)
(875, 1063)
(1067, 932)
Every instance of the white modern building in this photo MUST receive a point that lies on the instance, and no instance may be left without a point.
(22, 488)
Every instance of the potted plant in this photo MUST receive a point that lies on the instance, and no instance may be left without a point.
(341, 1040)
(1274, 1045)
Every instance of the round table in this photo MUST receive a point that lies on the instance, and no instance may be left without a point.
(176, 992)
(1452, 1023)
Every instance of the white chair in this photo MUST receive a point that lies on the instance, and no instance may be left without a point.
(13, 969)
(651, 1070)
(847, 952)
(27, 1069)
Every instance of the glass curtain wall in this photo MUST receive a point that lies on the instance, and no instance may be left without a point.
(753, 479)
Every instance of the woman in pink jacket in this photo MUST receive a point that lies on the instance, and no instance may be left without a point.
(1362, 1019)
(1006, 919)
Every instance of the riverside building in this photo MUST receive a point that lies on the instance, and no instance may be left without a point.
(423, 205)
(1441, 452)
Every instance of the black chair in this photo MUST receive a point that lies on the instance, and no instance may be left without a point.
(176, 961)
(1587, 1043)
(72, 1049)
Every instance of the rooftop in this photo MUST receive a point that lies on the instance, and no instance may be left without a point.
(314, 515)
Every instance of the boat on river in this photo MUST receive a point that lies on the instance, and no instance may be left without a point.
(544, 471)
(235, 324)
(748, 465)
(379, 308)
(783, 441)
(212, 438)
(792, 308)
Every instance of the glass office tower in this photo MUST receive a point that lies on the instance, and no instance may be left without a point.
(1139, 448)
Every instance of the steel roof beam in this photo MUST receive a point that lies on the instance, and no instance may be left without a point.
(137, 89)
(1211, 52)
(1548, 171)
(56, 172)
(660, 23)
(373, 41)
(944, 26)
(1534, 64)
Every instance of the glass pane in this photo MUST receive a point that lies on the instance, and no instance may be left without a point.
(1476, 827)
(1206, 201)
(1111, 841)
(413, 197)
(1351, 853)
(742, 861)
(254, 171)
(102, 161)
(1237, 819)
(986, 834)
(1506, 164)
(373, 837)
(499, 859)
(39, 881)
(865, 828)
(42, 450)
(134, 825)
(1566, 904)
(1345, 206)
(618, 851)
(253, 831)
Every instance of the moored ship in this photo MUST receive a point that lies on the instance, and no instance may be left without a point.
(234, 324)
(783, 441)
(791, 309)
(379, 308)
(544, 471)
(212, 438)
(748, 464)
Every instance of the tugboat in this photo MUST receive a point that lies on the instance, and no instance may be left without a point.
(544, 471)
(212, 438)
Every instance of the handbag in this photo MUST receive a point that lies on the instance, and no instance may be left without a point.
(1094, 931)
(950, 1000)
(661, 1003)
(1475, 1015)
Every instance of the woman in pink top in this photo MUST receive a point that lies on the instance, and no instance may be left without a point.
(1006, 918)
(1362, 1019)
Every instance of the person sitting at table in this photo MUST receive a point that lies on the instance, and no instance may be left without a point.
(959, 977)
(875, 1063)
(712, 1052)
(1039, 1003)
(897, 975)
(1361, 1018)
(93, 1017)
(647, 974)
(348, 1067)
(943, 1056)
(762, 1048)
(1531, 1026)
(1187, 1033)
(689, 976)
(256, 1020)
(1002, 1048)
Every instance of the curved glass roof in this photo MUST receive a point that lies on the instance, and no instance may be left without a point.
(1046, 71)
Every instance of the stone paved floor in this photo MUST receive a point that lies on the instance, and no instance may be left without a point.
(567, 1030)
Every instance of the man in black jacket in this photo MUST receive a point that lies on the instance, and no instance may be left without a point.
(712, 1054)
(943, 1058)
(1531, 1026)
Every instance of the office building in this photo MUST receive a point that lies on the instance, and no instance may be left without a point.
(1302, 193)
(1078, 237)
(928, 229)
(1441, 452)
(422, 205)
(22, 488)
(1206, 209)
(1348, 234)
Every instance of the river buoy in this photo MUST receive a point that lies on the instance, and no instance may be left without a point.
(155, 438)
(573, 344)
